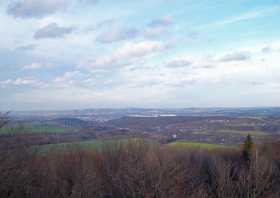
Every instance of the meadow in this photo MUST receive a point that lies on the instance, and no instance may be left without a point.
(95, 144)
(199, 145)
(13, 129)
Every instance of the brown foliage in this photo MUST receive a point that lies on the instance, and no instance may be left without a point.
(137, 170)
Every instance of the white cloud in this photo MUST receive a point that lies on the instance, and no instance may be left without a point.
(72, 79)
(183, 85)
(135, 50)
(236, 56)
(18, 82)
(161, 22)
(128, 52)
(33, 66)
(35, 8)
(158, 27)
(53, 30)
(116, 32)
(179, 63)
(41, 8)
(132, 66)
(68, 76)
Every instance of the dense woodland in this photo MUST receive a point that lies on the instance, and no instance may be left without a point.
(138, 169)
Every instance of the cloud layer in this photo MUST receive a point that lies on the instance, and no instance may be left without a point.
(35, 8)
(153, 53)
(53, 30)
(115, 32)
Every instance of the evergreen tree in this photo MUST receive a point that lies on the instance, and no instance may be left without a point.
(248, 147)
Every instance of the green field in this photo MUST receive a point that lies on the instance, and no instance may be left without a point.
(99, 144)
(197, 145)
(200, 133)
(91, 144)
(31, 128)
(254, 133)
(95, 144)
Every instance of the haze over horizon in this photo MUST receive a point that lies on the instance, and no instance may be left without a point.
(80, 54)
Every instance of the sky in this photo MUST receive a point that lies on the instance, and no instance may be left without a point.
(73, 54)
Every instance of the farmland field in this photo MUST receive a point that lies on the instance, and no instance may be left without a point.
(98, 144)
(197, 145)
(252, 132)
(32, 128)
(95, 144)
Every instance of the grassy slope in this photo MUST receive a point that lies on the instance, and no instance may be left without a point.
(90, 144)
(197, 145)
(99, 144)
(31, 128)
(254, 133)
